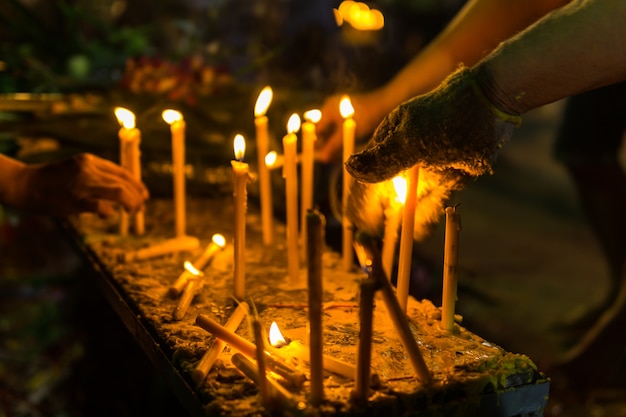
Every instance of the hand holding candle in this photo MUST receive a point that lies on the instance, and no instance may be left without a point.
(177, 128)
(291, 194)
(262, 144)
(349, 126)
(241, 174)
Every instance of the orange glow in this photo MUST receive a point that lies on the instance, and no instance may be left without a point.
(263, 102)
(125, 117)
(239, 145)
(345, 107)
(313, 116)
(192, 269)
(399, 185)
(276, 337)
(359, 15)
(219, 240)
(293, 124)
(170, 116)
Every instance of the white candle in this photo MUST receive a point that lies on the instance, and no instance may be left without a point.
(241, 175)
(291, 194)
(406, 238)
(392, 222)
(349, 126)
(450, 258)
(177, 128)
(308, 154)
(262, 143)
(130, 159)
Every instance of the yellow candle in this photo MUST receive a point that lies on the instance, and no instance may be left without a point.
(177, 128)
(262, 143)
(315, 248)
(208, 359)
(260, 360)
(392, 222)
(241, 175)
(194, 284)
(167, 247)
(217, 243)
(349, 126)
(406, 238)
(130, 159)
(450, 258)
(308, 154)
(247, 367)
(291, 194)
(274, 161)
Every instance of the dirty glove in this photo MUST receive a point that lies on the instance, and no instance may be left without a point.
(454, 133)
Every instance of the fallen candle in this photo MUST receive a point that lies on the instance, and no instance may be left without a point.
(218, 242)
(364, 350)
(247, 367)
(295, 378)
(178, 244)
(210, 356)
(193, 286)
(450, 259)
(260, 360)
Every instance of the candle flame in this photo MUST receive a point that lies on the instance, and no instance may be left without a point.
(239, 145)
(313, 116)
(270, 158)
(219, 240)
(125, 117)
(192, 269)
(293, 124)
(345, 107)
(263, 102)
(170, 116)
(399, 184)
(276, 337)
(360, 16)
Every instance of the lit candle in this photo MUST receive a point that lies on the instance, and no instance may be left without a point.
(406, 238)
(392, 221)
(179, 244)
(130, 158)
(291, 194)
(308, 154)
(217, 243)
(364, 350)
(369, 258)
(177, 128)
(241, 174)
(210, 356)
(315, 247)
(295, 378)
(274, 161)
(193, 285)
(262, 143)
(349, 126)
(450, 258)
(247, 367)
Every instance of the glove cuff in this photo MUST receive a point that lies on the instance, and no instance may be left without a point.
(502, 106)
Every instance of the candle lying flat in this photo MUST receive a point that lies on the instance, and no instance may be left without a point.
(178, 244)
(217, 243)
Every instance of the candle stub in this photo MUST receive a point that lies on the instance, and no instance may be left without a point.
(179, 244)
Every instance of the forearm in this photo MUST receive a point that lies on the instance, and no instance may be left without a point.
(11, 172)
(577, 48)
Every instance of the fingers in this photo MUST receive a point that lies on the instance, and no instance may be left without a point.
(120, 193)
(120, 174)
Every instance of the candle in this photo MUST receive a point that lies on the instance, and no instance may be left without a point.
(130, 138)
(315, 247)
(370, 259)
(274, 161)
(217, 243)
(193, 285)
(392, 221)
(364, 350)
(240, 198)
(177, 128)
(251, 371)
(308, 154)
(179, 244)
(295, 378)
(406, 238)
(349, 126)
(262, 143)
(260, 360)
(210, 356)
(450, 258)
(291, 194)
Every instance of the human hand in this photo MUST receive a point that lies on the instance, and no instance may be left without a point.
(81, 183)
(454, 133)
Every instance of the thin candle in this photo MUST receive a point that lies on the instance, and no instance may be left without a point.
(167, 247)
(406, 238)
(218, 242)
(316, 223)
(392, 222)
(177, 129)
(364, 350)
(193, 286)
(291, 194)
(262, 143)
(203, 367)
(260, 360)
(249, 369)
(309, 137)
(349, 126)
(241, 174)
(450, 259)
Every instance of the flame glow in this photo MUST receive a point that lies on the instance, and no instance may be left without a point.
(192, 269)
(270, 158)
(125, 117)
(239, 144)
(219, 240)
(170, 116)
(399, 184)
(293, 124)
(359, 15)
(345, 107)
(263, 102)
(276, 337)
(313, 116)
